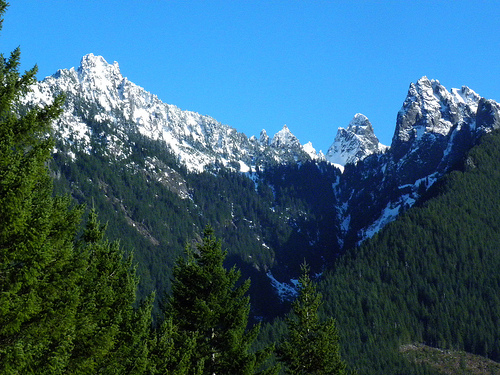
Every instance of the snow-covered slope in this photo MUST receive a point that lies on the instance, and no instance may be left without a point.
(97, 93)
(285, 139)
(430, 112)
(434, 129)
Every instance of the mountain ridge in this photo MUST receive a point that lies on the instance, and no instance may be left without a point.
(97, 81)
(354, 143)
(318, 205)
(433, 129)
(200, 141)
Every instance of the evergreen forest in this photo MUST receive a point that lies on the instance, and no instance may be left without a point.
(68, 295)
(429, 277)
(106, 269)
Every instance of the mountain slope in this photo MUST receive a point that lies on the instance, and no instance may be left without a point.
(354, 143)
(159, 174)
(431, 276)
(434, 130)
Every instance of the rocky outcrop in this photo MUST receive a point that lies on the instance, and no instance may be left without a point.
(435, 128)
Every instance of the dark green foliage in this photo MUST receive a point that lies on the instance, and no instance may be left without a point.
(142, 213)
(305, 203)
(174, 351)
(111, 336)
(153, 210)
(311, 346)
(133, 343)
(209, 304)
(38, 291)
(431, 276)
(66, 306)
(67, 302)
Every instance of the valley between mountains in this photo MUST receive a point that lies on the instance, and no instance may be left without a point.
(401, 237)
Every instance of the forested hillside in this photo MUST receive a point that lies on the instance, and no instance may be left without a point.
(155, 210)
(67, 295)
(431, 277)
(115, 262)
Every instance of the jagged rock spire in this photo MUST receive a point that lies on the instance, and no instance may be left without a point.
(354, 143)
(430, 109)
(285, 139)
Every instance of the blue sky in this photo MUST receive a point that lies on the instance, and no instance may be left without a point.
(261, 64)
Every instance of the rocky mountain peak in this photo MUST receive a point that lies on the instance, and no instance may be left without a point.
(431, 111)
(98, 73)
(285, 139)
(488, 115)
(466, 96)
(354, 143)
(92, 63)
(264, 138)
(434, 128)
(97, 94)
(360, 125)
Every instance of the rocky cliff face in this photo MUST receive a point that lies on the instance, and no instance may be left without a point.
(98, 94)
(300, 205)
(434, 129)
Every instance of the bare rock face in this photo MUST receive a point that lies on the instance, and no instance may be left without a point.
(285, 138)
(264, 138)
(435, 127)
(488, 115)
(431, 113)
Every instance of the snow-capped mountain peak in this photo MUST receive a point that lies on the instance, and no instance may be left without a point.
(434, 129)
(285, 138)
(97, 66)
(97, 93)
(311, 151)
(264, 138)
(465, 96)
(360, 125)
(430, 110)
(104, 113)
(354, 143)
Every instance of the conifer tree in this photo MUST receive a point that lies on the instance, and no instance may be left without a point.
(173, 352)
(38, 279)
(132, 349)
(63, 309)
(110, 334)
(209, 304)
(312, 346)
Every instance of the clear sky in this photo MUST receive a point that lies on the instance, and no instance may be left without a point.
(261, 64)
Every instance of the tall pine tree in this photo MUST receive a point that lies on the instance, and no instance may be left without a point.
(112, 337)
(312, 346)
(173, 352)
(209, 304)
(63, 308)
(38, 291)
